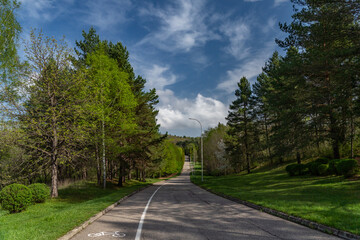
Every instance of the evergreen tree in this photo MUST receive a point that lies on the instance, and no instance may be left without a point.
(49, 114)
(327, 34)
(241, 123)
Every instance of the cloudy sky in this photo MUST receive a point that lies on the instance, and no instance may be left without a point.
(192, 51)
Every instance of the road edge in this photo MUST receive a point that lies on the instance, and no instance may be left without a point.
(78, 229)
(298, 220)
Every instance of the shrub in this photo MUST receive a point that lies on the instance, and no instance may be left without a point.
(347, 167)
(313, 167)
(40, 192)
(296, 169)
(322, 169)
(15, 197)
(332, 166)
(322, 160)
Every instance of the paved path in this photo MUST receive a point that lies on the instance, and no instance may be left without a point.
(181, 210)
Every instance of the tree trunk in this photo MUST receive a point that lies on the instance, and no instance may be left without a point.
(267, 140)
(248, 163)
(334, 134)
(98, 166)
(352, 136)
(298, 159)
(54, 180)
(336, 150)
(103, 157)
(120, 183)
(54, 167)
(143, 175)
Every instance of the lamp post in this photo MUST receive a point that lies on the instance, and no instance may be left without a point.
(201, 143)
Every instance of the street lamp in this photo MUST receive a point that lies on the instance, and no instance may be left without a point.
(202, 156)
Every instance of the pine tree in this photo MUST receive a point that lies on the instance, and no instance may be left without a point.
(327, 34)
(241, 123)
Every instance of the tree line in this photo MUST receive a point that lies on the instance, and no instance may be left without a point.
(75, 113)
(303, 104)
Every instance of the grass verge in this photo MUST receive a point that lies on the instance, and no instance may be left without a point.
(332, 200)
(54, 218)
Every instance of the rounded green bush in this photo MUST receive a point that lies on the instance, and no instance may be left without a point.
(332, 166)
(313, 168)
(322, 160)
(296, 169)
(15, 197)
(322, 169)
(347, 167)
(291, 169)
(40, 192)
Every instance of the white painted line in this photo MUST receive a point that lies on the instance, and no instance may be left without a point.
(116, 234)
(141, 223)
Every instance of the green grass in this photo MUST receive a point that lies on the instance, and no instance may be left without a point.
(52, 219)
(332, 200)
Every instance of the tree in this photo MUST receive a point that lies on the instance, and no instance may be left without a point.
(262, 89)
(141, 141)
(327, 33)
(48, 116)
(240, 121)
(10, 66)
(9, 33)
(110, 103)
(216, 162)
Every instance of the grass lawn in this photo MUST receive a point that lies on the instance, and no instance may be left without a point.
(331, 200)
(52, 219)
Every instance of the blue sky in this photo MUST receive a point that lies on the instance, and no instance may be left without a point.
(192, 51)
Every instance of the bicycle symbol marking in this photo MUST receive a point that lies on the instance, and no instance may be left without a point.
(116, 234)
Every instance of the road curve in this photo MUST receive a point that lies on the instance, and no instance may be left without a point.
(181, 210)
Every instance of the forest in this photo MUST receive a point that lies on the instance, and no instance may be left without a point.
(304, 104)
(72, 114)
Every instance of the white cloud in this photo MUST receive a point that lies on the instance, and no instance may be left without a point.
(278, 2)
(249, 68)
(182, 26)
(174, 113)
(39, 9)
(105, 14)
(158, 77)
(238, 32)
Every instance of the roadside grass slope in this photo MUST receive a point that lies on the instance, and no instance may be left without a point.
(332, 200)
(52, 219)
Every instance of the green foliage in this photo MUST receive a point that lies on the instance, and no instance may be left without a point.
(347, 167)
(333, 166)
(172, 160)
(9, 34)
(241, 131)
(324, 166)
(296, 169)
(15, 197)
(217, 162)
(322, 160)
(329, 64)
(40, 192)
(322, 169)
(313, 167)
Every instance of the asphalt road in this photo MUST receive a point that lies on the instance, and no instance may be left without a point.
(180, 210)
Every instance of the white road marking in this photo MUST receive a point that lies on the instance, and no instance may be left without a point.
(138, 232)
(113, 234)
